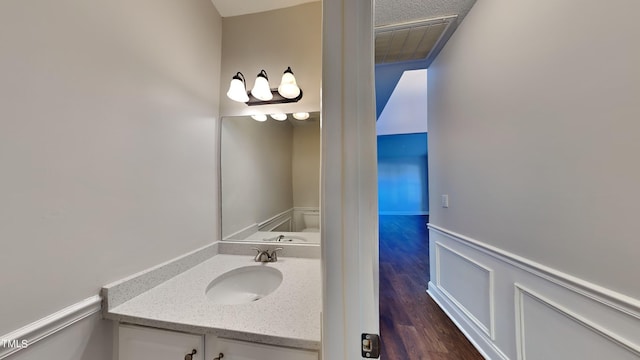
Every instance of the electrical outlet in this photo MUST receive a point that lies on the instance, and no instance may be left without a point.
(444, 201)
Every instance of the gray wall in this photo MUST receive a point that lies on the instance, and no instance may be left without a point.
(256, 171)
(534, 134)
(306, 164)
(108, 115)
(88, 339)
(273, 40)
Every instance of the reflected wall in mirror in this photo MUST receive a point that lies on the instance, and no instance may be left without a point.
(271, 179)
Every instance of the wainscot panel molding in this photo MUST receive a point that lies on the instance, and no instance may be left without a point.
(49, 325)
(527, 311)
(525, 297)
(467, 284)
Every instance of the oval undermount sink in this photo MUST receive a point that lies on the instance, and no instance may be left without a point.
(244, 285)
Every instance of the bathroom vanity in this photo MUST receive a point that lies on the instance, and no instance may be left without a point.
(200, 306)
(219, 302)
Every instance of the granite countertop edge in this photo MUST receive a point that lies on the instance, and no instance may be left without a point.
(145, 309)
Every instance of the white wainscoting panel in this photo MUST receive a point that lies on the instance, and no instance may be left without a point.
(511, 307)
(468, 284)
(547, 330)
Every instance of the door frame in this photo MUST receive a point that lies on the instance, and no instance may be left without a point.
(349, 191)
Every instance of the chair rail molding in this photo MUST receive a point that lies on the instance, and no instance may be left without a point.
(49, 325)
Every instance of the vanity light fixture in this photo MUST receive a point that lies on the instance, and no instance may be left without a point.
(288, 87)
(279, 117)
(261, 89)
(259, 117)
(261, 93)
(238, 88)
(301, 115)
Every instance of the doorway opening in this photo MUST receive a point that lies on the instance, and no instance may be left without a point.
(412, 325)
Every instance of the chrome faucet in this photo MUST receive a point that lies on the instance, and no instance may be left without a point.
(265, 256)
(278, 238)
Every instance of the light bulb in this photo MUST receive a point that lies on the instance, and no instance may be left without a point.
(279, 117)
(261, 89)
(259, 117)
(301, 115)
(288, 87)
(237, 89)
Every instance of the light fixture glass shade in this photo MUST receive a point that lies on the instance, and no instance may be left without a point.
(301, 115)
(237, 89)
(261, 89)
(259, 117)
(279, 117)
(288, 87)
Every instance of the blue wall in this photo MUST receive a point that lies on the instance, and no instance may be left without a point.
(402, 174)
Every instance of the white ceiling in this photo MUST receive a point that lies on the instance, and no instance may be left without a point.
(386, 11)
(228, 8)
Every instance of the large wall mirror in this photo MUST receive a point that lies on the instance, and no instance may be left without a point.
(271, 179)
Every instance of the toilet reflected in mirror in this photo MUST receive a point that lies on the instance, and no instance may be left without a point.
(270, 179)
(311, 221)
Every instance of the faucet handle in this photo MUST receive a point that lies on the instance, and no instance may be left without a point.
(274, 254)
(258, 255)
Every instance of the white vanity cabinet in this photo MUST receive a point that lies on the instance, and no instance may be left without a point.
(242, 350)
(141, 343)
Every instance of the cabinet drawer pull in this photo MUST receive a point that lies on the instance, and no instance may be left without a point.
(190, 356)
(219, 357)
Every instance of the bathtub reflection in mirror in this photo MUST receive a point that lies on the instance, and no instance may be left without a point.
(271, 179)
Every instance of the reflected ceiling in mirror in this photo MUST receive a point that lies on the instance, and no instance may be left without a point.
(270, 178)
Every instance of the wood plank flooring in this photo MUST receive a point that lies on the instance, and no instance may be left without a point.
(412, 326)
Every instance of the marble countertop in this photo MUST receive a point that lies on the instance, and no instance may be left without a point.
(290, 316)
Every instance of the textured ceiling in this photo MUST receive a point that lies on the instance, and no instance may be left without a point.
(411, 40)
(386, 11)
(398, 11)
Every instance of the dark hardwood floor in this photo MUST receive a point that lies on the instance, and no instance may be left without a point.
(412, 326)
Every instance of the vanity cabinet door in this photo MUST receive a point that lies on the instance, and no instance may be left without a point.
(140, 343)
(241, 350)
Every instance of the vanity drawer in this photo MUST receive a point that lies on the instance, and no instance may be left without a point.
(241, 350)
(141, 343)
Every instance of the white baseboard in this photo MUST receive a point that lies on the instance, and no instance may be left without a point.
(403, 213)
(51, 324)
(505, 303)
(478, 339)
